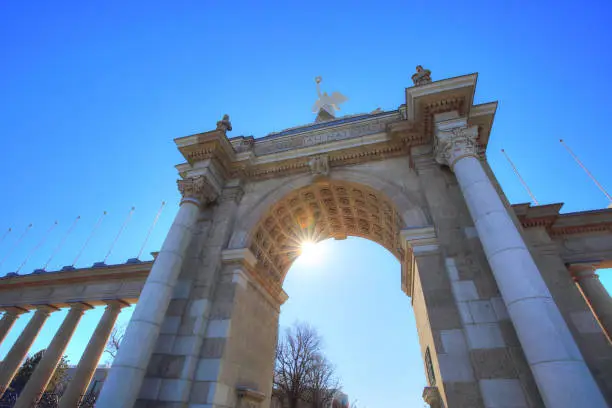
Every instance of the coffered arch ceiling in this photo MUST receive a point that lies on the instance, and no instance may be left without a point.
(330, 209)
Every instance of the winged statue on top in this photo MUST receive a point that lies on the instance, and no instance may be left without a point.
(326, 105)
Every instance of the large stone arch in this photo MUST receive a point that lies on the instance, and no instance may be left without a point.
(205, 330)
(324, 209)
(408, 203)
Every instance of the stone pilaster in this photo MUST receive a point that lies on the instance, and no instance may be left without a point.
(560, 372)
(125, 379)
(20, 349)
(236, 360)
(596, 296)
(46, 367)
(8, 319)
(89, 361)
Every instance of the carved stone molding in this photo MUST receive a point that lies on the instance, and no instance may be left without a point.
(455, 143)
(319, 165)
(199, 188)
(416, 242)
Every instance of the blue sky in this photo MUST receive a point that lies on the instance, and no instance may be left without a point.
(91, 98)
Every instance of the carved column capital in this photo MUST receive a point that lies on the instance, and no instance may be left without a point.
(452, 144)
(582, 270)
(198, 189)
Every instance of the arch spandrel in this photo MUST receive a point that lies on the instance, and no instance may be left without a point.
(326, 209)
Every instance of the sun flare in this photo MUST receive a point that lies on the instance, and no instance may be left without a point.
(310, 252)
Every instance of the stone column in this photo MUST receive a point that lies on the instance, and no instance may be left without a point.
(10, 316)
(46, 367)
(20, 349)
(123, 383)
(89, 361)
(595, 294)
(561, 374)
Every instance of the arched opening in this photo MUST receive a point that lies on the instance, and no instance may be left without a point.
(322, 210)
(371, 260)
(351, 296)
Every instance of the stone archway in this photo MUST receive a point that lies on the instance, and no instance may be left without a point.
(485, 296)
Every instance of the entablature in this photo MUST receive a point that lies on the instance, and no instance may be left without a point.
(557, 224)
(93, 286)
(346, 141)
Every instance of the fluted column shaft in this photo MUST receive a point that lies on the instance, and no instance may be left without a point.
(8, 320)
(562, 376)
(89, 361)
(595, 294)
(46, 367)
(125, 378)
(20, 349)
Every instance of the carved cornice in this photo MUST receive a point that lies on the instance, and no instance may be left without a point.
(302, 165)
(346, 141)
(581, 229)
(556, 224)
(429, 110)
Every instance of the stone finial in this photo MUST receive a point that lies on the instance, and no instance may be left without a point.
(224, 124)
(422, 76)
(319, 165)
(453, 144)
(197, 188)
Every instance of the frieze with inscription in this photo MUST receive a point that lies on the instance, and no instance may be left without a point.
(322, 136)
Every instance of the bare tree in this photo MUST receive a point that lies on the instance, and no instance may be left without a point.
(323, 383)
(114, 341)
(301, 372)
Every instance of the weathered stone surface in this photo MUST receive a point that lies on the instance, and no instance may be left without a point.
(463, 394)
(493, 363)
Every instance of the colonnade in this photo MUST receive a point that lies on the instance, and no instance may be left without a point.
(36, 385)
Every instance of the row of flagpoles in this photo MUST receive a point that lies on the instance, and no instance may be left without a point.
(82, 248)
(576, 159)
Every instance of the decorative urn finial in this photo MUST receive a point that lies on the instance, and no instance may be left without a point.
(422, 76)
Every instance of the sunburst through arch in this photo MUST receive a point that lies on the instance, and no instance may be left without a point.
(330, 209)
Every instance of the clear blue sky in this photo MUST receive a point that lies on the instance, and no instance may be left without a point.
(91, 97)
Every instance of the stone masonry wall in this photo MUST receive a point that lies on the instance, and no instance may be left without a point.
(593, 344)
(177, 356)
(480, 361)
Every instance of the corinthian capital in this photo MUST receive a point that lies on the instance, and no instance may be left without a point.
(452, 144)
(198, 188)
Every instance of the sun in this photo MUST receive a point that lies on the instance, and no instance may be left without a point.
(310, 252)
